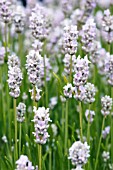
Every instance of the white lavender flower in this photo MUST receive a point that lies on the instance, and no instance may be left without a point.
(70, 37)
(105, 132)
(37, 45)
(79, 153)
(14, 76)
(4, 139)
(107, 23)
(68, 90)
(81, 69)
(89, 114)
(109, 68)
(105, 156)
(21, 110)
(37, 93)
(54, 129)
(53, 102)
(106, 103)
(41, 120)
(5, 11)
(90, 91)
(62, 98)
(2, 55)
(88, 35)
(18, 20)
(79, 93)
(24, 96)
(39, 22)
(23, 163)
(67, 6)
(33, 66)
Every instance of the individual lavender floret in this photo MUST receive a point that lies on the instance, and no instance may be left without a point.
(39, 22)
(79, 93)
(5, 11)
(88, 35)
(21, 110)
(67, 6)
(37, 45)
(2, 55)
(106, 103)
(41, 120)
(24, 96)
(23, 163)
(107, 23)
(14, 76)
(53, 102)
(106, 131)
(90, 91)
(89, 114)
(18, 20)
(70, 37)
(76, 16)
(33, 66)
(37, 95)
(4, 139)
(81, 69)
(62, 98)
(68, 90)
(54, 129)
(109, 68)
(79, 154)
(105, 156)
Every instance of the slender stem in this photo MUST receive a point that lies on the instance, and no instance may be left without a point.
(15, 122)
(40, 157)
(50, 160)
(20, 135)
(97, 155)
(46, 89)
(63, 118)
(6, 43)
(80, 117)
(88, 128)
(66, 128)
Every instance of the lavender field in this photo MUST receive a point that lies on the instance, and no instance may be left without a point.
(56, 85)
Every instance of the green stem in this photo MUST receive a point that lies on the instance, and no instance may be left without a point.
(63, 118)
(46, 89)
(88, 128)
(40, 157)
(66, 128)
(20, 135)
(50, 160)
(80, 117)
(71, 69)
(15, 122)
(97, 155)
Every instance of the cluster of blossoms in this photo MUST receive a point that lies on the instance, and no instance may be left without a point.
(109, 68)
(70, 37)
(2, 55)
(39, 22)
(88, 35)
(105, 156)
(21, 110)
(41, 120)
(18, 22)
(37, 94)
(33, 66)
(68, 90)
(90, 91)
(87, 7)
(5, 11)
(89, 114)
(24, 163)
(81, 69)
(106, 103)
(14, 75)
(79, 154)
(105, 132)
(107, 25)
